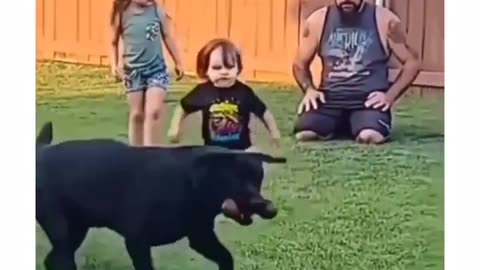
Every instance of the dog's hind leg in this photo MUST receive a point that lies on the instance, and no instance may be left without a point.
(207, 244)
(140, 254)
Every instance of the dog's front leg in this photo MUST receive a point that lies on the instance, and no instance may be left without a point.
(61, 259)
(139, 252)
(207, 244)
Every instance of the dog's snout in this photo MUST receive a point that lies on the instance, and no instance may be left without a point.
(264, 208)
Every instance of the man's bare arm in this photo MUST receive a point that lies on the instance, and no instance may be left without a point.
(409, 59)
(306, 52)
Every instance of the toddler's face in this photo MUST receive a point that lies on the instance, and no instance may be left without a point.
(222, 69)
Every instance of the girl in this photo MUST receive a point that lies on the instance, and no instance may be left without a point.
(143, 25)
(225, 102)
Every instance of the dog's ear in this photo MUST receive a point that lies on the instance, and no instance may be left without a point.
(45, 136)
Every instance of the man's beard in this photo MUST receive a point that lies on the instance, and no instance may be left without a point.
(350, 15)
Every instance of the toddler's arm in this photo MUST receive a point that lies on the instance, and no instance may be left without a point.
(174, 131)
(260, 110)
(190, 103)
(271, 125)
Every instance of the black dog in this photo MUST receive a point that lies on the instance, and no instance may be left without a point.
(150, 196)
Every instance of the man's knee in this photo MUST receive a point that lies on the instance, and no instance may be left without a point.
(308, 135)
(370, 136)
(314, 126)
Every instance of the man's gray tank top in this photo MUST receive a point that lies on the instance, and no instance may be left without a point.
(354, 59)
(142, 37)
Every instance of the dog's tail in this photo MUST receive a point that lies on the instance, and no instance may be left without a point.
(45, 136)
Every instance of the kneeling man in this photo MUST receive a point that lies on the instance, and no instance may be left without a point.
(354, 40)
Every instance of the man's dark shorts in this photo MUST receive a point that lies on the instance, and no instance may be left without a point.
(327, 122)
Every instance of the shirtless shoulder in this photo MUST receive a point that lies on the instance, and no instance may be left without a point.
(386, 14)
(313, 24)
(386, 22)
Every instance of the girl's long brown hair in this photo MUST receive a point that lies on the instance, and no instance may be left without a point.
(118, 8)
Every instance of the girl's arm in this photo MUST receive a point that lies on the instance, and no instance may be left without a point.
(114, 45)
(170, 42)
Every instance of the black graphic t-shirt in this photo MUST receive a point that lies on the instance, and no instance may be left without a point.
(226, 113)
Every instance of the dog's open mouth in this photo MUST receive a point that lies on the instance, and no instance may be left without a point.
(232, 210)
(242, 213)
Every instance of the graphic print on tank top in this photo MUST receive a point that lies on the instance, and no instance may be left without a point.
(345, 51)
(225, 123)
(152, 31)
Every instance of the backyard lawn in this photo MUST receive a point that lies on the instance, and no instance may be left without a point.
(342, 206)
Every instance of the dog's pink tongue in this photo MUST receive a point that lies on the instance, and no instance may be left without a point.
(229, 206)
(231, 210)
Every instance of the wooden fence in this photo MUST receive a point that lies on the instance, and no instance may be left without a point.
(267, 32)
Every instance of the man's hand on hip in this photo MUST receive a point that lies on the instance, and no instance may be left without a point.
(379, 100)
(310, 100)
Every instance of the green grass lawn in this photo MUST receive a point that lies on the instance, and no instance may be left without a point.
(342, 206)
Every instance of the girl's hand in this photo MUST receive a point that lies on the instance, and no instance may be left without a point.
(113, 71)
(117, 73)
(120, 73)
(179, 72)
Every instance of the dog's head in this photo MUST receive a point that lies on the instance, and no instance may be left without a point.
(232, 180)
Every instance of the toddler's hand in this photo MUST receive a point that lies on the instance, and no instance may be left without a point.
(173, 136)
(275, 140)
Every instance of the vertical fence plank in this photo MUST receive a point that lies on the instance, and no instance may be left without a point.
(241, 32)
(292, 25)
(223, 17)
(415, 26)
(263, 26)
(66, 21)
(49, 24)
(433, 47)
(40, 29)
(278, 27)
